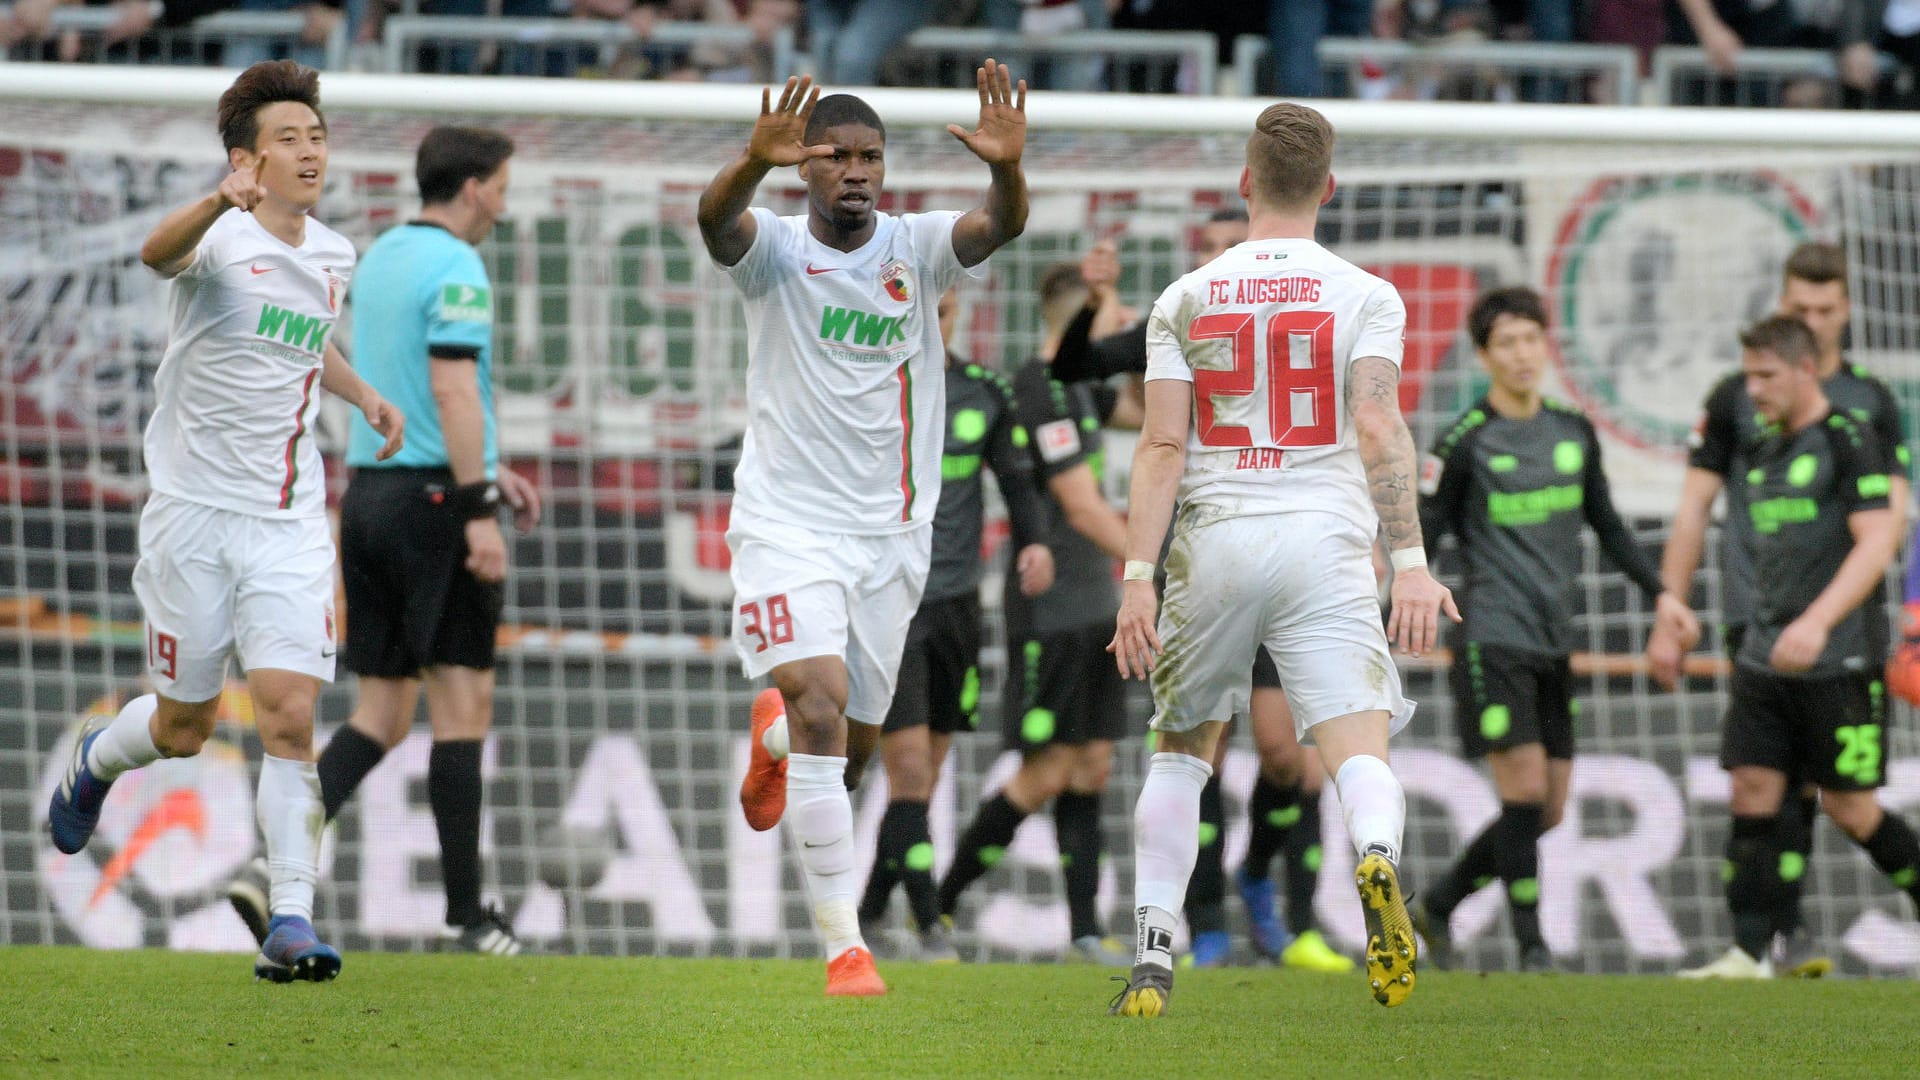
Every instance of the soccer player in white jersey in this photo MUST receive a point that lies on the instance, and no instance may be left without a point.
(1273, 413)
(235, 553)
(840, 474)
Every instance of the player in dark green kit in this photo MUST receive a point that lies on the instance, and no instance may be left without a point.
(1064, 700)
(1516, 479)
(1807, 700)
(938, 692)
(1814, 290)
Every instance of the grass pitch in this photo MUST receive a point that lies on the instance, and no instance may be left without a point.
(71, 1012)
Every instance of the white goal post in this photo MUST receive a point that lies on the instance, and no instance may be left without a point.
(1654, 234)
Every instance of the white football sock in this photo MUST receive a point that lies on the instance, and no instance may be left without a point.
(1166, 842)
(291, 816)
(127, 742)
(820, 816)
(1373, 803)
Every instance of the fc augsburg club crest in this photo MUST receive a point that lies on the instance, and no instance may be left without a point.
(895, 279)
(1652, 279)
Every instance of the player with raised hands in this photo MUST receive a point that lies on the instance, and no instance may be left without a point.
(839, 476)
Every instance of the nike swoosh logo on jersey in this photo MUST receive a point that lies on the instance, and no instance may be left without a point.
(823, 270)
(257, 271)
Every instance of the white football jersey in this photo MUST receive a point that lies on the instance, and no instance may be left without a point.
(239, 386)
(1265, 333)
(846, 389)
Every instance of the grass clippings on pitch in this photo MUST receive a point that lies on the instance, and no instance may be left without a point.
(72, 1012)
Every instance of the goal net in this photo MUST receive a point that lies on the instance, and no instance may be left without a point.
(619, 738)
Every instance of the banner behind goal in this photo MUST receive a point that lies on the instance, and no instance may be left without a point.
(620, 726)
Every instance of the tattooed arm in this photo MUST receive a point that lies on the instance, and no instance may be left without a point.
(1386, 450)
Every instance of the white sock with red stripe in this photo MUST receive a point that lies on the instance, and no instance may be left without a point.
(820, 816)
(127, 742)
(291, 816)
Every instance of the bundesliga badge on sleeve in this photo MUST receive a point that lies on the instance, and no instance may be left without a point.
(895, 279)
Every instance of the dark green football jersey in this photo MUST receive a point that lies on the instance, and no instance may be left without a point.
(981, 430)
(1724, 441)
(1801, 489)
(1516, 493)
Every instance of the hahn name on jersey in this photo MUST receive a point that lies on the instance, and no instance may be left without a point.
(1265, 333)
(239, 385)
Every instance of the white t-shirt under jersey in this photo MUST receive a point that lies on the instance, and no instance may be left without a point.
(1265, 333)
(846, 393)
(239, 386)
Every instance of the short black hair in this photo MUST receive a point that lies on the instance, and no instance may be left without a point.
(1782, 335)
(1235, 214)
(450, 156)
(1059, 279)
(1518, 301)
(837, 109)
(266, 83)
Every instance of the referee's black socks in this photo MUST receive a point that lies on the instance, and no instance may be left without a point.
(454, 790)
(1895, 850)
(346, 761)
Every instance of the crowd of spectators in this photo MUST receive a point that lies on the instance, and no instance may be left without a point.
(1874, 45)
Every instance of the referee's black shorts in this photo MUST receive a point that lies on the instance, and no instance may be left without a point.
(939, 682)
(411, 602)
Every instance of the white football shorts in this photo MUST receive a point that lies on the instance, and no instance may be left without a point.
(1299, 583)
(213, 583)
(801, 592)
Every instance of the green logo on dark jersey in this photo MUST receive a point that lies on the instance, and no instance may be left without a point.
(1510, 508)
(969, 425)
(466, 303)
(867, 328)
(1568, 458)
(1802, 471)
(1769, 515)
(300, 331)
(1503, 463)
(1874, 485)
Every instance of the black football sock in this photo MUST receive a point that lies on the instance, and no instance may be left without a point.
(1896, 851)
(454, 790)
(1076, 827)
(346, 761)
(1207, 889)
(1753, 882)
(981, 848)
(889, 855)
(1518, 859)
(1271, 811)
(1302, 868)
(1793, 827)
(1471, 872)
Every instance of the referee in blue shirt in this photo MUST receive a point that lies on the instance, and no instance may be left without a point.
(421, 547)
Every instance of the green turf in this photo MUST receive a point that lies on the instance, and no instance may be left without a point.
(70, 1012)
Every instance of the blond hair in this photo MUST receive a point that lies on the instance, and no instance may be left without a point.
(1290, 155)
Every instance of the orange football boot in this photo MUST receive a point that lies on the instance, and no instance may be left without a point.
(763, 794)
(851, 974)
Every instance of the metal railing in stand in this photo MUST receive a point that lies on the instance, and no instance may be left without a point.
(447, 43)
(204, 40)
(1459, 70)
(1134, 60)
(1682, 75)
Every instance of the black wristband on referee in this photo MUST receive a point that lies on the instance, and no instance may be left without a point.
(471, 502)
